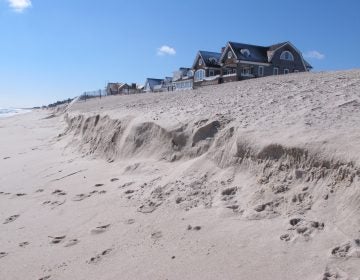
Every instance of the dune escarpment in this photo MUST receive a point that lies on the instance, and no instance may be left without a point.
(274, 148)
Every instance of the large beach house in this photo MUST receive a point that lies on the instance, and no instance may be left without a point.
(235, 62)
(238, 61)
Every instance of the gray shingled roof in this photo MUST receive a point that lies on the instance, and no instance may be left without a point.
(153, 82)
(276, 46)
(257, 53)
(211, 59)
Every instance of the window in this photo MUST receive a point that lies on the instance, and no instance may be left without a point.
(229, 71)
(211, 73)
(261, 71)
(246, 71)
(190, 73)
(200, 62)
(245, 52)
(230, 55)
(199, 75)
(286, 71)
(286, 55)
(276, 71)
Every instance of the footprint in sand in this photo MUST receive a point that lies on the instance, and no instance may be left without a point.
(196, 228)
(347, 249)
(59, 192)
(11, 219)
(3, 254)
(45, 277)
(6, 158)
(100, 229)
(57, 203)
(114, 179)
(130, 221)
(57, 239)
(129, 191)
(80, 197)
(39, 190)
(23, 244)
(72, 242)
(156, 235)
(20, 194)
(98, 185)
(301, 228)
(126, 185)
(98, 257)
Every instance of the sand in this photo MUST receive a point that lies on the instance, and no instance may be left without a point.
(256, 179)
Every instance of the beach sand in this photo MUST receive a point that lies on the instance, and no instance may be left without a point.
(256, 179)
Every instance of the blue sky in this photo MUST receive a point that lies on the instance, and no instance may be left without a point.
(51, 50)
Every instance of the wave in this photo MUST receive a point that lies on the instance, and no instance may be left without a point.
(8, 112)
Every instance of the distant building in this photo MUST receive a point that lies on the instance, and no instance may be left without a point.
(207, 68)
(150, 84)
(121, 88)
(158, 85)
(183, 79)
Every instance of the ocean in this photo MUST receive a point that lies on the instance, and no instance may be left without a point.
(8, 112)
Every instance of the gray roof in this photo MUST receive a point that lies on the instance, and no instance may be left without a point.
(257, 53)
(211, 59)
(276, 46)
(153, 82)
(307, 64)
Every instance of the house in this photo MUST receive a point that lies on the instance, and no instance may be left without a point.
(113, 88)
(183, 79)
(167, 84)
(158, 85)
(121, 88)
(207, 68)
(243, 61)
(150, 83)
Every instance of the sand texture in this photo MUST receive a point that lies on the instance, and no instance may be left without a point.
(258, 179)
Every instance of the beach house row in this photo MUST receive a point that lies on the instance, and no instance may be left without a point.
(235, 62)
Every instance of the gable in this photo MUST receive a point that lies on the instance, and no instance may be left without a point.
(298, 61)
(196, 61)
(228, 56)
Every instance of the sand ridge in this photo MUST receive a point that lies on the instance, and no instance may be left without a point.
(248, 180)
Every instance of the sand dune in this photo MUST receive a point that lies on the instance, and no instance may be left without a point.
(249, 180)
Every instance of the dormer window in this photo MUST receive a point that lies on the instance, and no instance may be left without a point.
(200, 62)
(213, 60)
(245, 52)
(286, 55)
(190, 73)
(230, 55)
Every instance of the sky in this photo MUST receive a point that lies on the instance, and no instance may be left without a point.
(52, 50)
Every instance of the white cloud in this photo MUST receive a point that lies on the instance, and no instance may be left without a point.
(314, 54)
(166, 50)
(19, 5)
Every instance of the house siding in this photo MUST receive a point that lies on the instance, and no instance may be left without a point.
(297, 64)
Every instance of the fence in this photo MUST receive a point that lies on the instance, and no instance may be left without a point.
(93, 94)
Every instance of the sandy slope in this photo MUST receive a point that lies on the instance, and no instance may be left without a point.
(250, 180)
